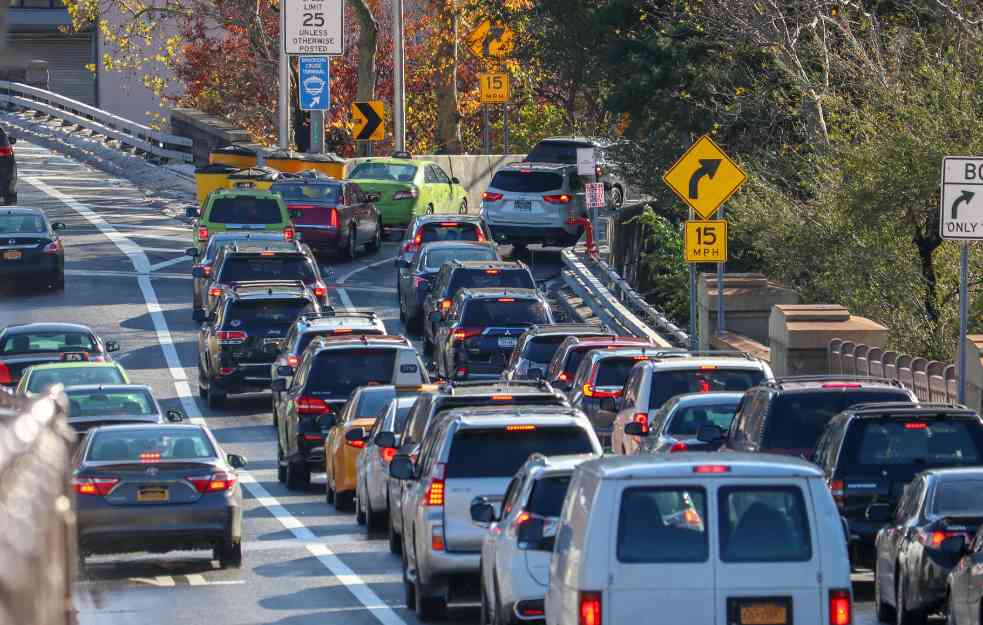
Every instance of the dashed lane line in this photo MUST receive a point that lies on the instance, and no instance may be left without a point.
(168, 263)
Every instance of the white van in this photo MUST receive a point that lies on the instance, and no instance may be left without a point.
(700, 539)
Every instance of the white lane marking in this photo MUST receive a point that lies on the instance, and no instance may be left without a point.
(143, 227)
(159, 581)
(351, 273)
(339, 569)
(165, 250)
(108, 273)
(195, 579)
(168, 263)
(336, 540)
(346, 302)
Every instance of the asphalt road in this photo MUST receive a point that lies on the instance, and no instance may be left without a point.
(304, 563)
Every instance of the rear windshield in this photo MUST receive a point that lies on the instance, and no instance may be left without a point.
(449, 231)
(436, 258)
(662, 525)
(22, 224)
(372, 403)
(310, 192)
(901, 447)
(97, 403)
(668, 384)
(245, 210)
(383, 171)
(40, 342)
(527, 182)
(307, 337)
(246, 314)
(338, 372)
(217, 242)
(280, 267)
(688, 421)
(796, 420)
(959, 498)
(763, 524)
(482, 278)
(152, 443)
(496, 312)
(574, 358)
(555, 152)
(500, 453)
(540, 349)
(613, 371)
(73, 376)
(546, 498)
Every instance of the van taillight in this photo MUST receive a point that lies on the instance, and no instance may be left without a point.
(590, 608)
(837, 488)
(840, 607)
(435, 491)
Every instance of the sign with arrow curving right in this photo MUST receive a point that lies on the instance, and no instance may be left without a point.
(961, 215)
(367, 118)
(704, 177)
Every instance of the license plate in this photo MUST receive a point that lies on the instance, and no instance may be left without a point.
(763, 613)
(523, 205)
(506, 341)
(12, 255)
(153, 494)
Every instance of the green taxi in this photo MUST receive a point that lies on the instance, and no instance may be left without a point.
(409, 187)
(38, 378)
(242, 209)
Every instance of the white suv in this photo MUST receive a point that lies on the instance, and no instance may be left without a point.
(699, 538)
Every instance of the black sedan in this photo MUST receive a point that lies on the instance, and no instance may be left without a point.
(8, 169)
(30, 250)
(34, 343)
(914, 553)
(966, 582)
(157, 488)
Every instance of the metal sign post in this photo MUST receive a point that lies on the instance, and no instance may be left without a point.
(399, 96)
(694, 329)
(963, 317)
(314, 92)
(720, 287)
(485, 129)
(283, 100)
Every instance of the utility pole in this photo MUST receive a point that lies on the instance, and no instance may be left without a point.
(399, 94)
(283, 108)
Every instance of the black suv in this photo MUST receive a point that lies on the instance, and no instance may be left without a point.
(787, 416)
(8, 169)
(870, 451)
(245, 261)
(446, 397)
(464, 274)
(477, 335)
(606, 156)
(242, 335)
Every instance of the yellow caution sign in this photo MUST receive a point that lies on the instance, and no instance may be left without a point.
(491, 40)
(704, 177)
(367, 118)
(494, 87)
(706, 241)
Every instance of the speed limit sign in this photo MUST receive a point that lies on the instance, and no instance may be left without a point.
(314, 27)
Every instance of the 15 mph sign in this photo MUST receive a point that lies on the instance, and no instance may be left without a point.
(314, 27)
(962, 198)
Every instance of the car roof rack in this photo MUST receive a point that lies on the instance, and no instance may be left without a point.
(795, 379)
(543, 385)
(269, 285)
(720, 353)
(900, 408)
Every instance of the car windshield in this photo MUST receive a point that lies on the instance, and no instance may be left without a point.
(796, 420)
(540, 349)
(245, 210)
(527, 181)
(154, 443)
(279, 267)
(308, 192)
(246, 314)
(555, 152)
(489, 278)
(668, 384)
(98, 403)
(959, 497)
(450, 231)
(546, 498)
(372, 402)
(500, 452)
(504, 311)
(900, 447)
(435, 258)
(383, 171)
(337, 372)
(22, 224)
(40, 342)
(73, 376)
(662, 525)
(763, 524)
(687, 421)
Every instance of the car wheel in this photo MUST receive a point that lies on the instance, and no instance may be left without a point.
(617, 197)
(360, 515)
(884, 611)
(298, 475)
(352, 244)
(429, 209)
(202, 387)
(373, 246)
(328, 492)
(409, 588)
(343, 502)
(373, 520)
(57, 282)
(281, 466)
(228, 554)
(904, 616)
(463, 209)
(429, 609)
(216, 399)
(395, 543)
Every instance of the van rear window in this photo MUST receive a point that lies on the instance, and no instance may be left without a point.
(897, 445)
(280, 267)
(500, 453)
(662, 525)
(245, 210)
(486, 278)
(338, 372)
(668, 384)
(763, 524)
(540, 349)
(527, 182)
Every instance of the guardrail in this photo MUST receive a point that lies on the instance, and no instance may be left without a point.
(38, 541)
(930, 380)
(142, 138)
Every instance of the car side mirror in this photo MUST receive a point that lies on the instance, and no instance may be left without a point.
(112, 346)
(401, 468)
(608, 404)
(372, 197)
(278, 385)
(535, 373)
(710, 433)
(878, 513)
(482, 512)
(174, 416)
(192, 252)
(197, 272)
(356, 435)
(58, 226)
(954, 545)
(634, 428)
(455, 180)
(284, 371)
(386, 439)
(236, 461)
(296, 214)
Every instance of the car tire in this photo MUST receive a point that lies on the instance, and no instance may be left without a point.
(617, 197)
(409, 588)
(463, 208)
(360, 514)
(328, 491)
(373, 520)
(215, 399)
(375, 244)
(344, 502)
(229, 554)
(883, 610)
(352, 244)
(298, 475)
(395, 542)
(429, 609)
(57, 282)
(281, 466)
(904, 616)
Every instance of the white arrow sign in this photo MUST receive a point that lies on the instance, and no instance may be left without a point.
(962, 198)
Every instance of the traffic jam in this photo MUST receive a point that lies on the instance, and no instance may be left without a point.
(527, 468)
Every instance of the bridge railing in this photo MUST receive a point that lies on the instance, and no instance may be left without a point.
(930, 380)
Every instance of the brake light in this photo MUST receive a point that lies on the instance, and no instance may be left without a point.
(461, 372)
(840, 608)
(437, 538)
(267, 253)
(841, 385)
(445, 305)
(562, 198)
(915, 425)
(226, 370)
(591, 391)
(5, 377)
(520, 428)
(214, 483)
(342, 331)
(387, 454)
(465, 333)
(206, 269)
(435, 491)
(202, 233)
(479, 235)
(6, 150)
(492, 272)
(333, 218)
(293, 361)
(312, 405)
(300, 207)
(590, 608)
(449, 224)
(837, 488)
(501, 398)
(490, 196)
(680, 446)
(935, 539)
(410, 247)
(707, 368)
(711, 468)
(52, 248)
(214, 291)
(642, 418)
(409, 193)
(639, 357)
(314, 438)
(150, 456)
(230, 337)
(563, 377)
(702, 386)
(320, 290)
(94, 485)
(289, 233)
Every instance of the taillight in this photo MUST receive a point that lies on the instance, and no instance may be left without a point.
(293, 361)
(409, 193)
(6, 150)
(312, 405)
(226, 370)
(934, 539)
(562, 198)
(463, 334)
(214, 483)
(387, 454)
(5, 377)
(289, 233)
(680, 446)
(437, 538)
(836, 488)
(333, 218)
(215, 291)
(445, 305)
(230, 337)
(205, 269)
(642, 418)
(590, 608)
(840, 607)
(357, 444)
(435, 491)
(563, 377)
(490, 196)
(320, 290)
(202, 233)
(95, 485)
(841, 385)
(591, 391)
(52, 248)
